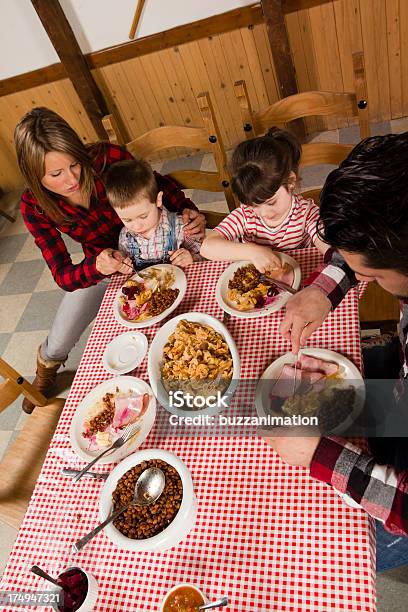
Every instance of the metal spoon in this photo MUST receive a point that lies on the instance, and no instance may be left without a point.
(148, 489)
(39, 572)
(220, 603)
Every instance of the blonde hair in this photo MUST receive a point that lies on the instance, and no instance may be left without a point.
(128, 180)
(41, 131)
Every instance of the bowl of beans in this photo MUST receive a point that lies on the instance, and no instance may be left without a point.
(160, 525)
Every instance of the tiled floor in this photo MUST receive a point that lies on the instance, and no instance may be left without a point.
(29, 299)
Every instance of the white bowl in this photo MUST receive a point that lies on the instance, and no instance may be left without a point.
(180, 283)
(125, 384)
(125, 352)
(221, 291)
(92, 594)
(155, 359)
(178, 586)
(181, 524)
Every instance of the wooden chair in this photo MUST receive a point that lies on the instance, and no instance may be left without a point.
(308, 104)
(207, 138)
(21, 465)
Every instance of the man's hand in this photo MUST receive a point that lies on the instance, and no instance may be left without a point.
(110, 261)
(295, 451)
(263, 257)
(194, 223)
(181, 258)
(305, 312)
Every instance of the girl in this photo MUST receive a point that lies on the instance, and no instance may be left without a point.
(271, 215)
(66, 195)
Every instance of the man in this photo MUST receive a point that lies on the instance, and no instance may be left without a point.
(364, 217)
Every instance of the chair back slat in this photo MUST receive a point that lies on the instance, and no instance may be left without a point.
(206, 138)
(197, 179)
(308, 104)
(167, 137)
(324, 153)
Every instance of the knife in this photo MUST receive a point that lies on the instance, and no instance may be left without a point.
(271, 281)
(72, 473)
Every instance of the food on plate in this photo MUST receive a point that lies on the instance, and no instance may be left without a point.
(197, 360)
(107, 419)
(141, 522)
(183, 599)
(74, 583)
(315, 387)
(308, 371)
(147, 297)
(331, 405)
(247, 291)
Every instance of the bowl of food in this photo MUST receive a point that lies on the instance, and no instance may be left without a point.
(193, 365)
(150, 296)
(183, 598)
(242, 292)
(160, 525)
(79, 590)
(105, 412)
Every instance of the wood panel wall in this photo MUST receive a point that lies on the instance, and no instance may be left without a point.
(160, 88)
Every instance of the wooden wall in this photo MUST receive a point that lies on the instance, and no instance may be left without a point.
(160, 88)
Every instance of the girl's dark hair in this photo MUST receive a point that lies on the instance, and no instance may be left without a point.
(261, 165)
(364, 203)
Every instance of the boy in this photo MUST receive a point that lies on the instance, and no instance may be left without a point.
(151, 234)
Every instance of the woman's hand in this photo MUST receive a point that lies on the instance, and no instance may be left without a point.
(194, 223)
(263, 257)
(181, 258)
(110, 261)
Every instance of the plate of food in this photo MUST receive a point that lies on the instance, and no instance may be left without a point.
(104, 413)
(321, 383)
(150, 295)
(242, 293)
(195, 355)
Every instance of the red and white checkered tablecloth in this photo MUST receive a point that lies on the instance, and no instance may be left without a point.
(266, 534)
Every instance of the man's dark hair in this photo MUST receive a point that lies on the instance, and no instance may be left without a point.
(364, 203)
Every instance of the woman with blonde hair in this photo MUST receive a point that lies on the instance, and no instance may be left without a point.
(66, 195)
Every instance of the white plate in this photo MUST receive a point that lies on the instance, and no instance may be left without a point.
(155, 359)
(180, 283)
(221, 292)
(125, 352)
(182, 523)
(348, 371)
(125, 384)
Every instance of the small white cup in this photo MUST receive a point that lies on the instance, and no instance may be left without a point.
(92, 594)
(178, 586)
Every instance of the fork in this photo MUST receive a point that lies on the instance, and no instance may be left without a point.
(128, 433)
(271, 281)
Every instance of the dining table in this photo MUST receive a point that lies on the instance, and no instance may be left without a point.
(267, 535)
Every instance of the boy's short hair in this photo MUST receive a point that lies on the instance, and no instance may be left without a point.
(128, 180)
